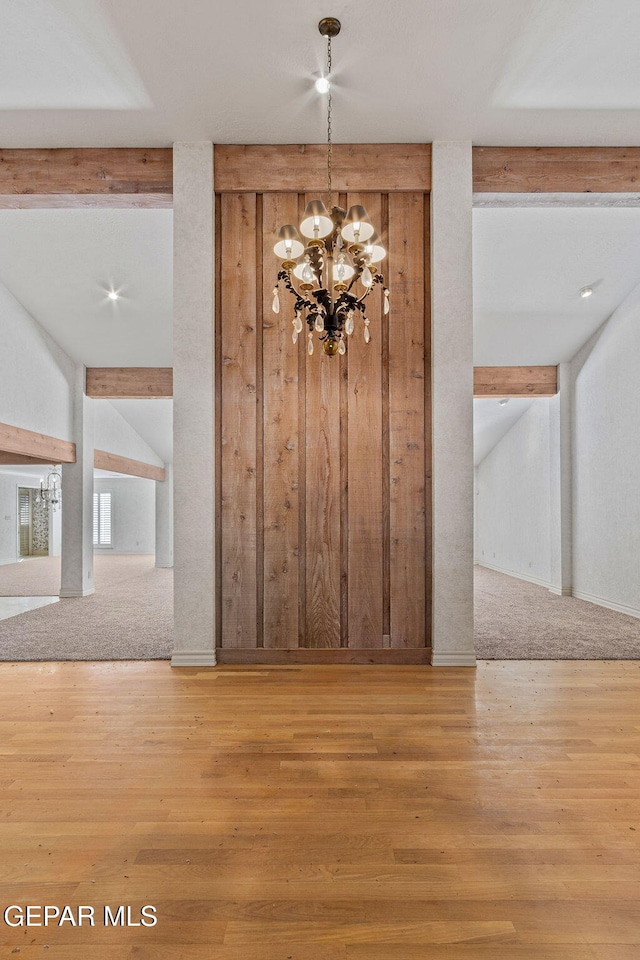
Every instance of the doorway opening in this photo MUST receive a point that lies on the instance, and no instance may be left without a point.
(33, 523)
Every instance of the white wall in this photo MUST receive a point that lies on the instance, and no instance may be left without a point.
(115, 435)
(36, 376)
(606, 463)
(133, 510)
(513, 499)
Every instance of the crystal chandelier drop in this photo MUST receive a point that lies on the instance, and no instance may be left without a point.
(337, 267)
(50, 491)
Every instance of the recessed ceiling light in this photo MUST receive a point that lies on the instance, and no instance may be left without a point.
(322, 85)
(113, 295)
(504, 401)
(586, 292)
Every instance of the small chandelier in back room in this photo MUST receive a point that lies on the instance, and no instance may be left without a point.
(337, 267)
(50, 492)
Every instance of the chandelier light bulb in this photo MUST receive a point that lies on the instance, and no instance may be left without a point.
(113, 295)
(374, 250)
(317, 224)
(342, 272)
(586, 292)
(323, 85)
(289, 245)
(357, 228)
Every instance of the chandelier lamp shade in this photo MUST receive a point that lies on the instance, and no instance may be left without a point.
(329, 264)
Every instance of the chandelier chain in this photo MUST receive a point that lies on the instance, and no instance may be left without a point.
(329, 129)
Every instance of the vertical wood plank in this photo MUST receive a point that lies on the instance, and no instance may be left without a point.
(259, 241)
(281, 440)
(302, 472)
(407, 419)
(344, 486)
(386, 473)
(218, 417)
(239, 420)
(322, 438)
(428, 453)
(365, 533)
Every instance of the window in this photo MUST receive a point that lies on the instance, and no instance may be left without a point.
(102, 519)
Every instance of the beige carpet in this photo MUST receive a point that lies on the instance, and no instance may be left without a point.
(32, 577)
(130, 616)
(517, 620)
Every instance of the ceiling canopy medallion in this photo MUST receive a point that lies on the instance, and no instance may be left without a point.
(333, 256)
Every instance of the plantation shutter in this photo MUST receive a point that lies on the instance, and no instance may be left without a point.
(24, 508)
(102, 519)
(96, 522)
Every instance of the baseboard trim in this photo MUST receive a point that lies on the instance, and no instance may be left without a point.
(15, 560)
(609, 604)
(453, 659)
(164, 566)
(194, 658)
(72, 594)
(559, 592)
(415, 657)
(518, 576)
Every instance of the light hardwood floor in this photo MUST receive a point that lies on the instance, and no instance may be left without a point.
(325, 813)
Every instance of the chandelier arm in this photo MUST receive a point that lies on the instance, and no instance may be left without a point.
(378, 278)
(301, 302)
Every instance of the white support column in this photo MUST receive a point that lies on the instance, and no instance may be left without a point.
(164, 518)
(77, 501)
(561, 467)
(193, 404)
(452, 398)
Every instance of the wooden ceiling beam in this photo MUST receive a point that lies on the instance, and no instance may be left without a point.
(129, 383)
(515, 381)
(86, 177)
(556, 169)
(16, 459)
(300, 168)
(134, 468)
(26, 443)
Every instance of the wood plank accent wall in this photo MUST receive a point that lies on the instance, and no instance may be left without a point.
(129, 383)
(82, 177)
(556, 169)
(324, 484)
(26, 443)
(515, 381)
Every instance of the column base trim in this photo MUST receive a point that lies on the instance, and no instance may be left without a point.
(164, 566)
(561, 591)
(453, 659)
(194, 658)
(70, 594)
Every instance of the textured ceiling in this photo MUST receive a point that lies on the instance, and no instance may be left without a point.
(60, 263)
(122, 73)
(492, 420)
(529, 266)
(153, 420)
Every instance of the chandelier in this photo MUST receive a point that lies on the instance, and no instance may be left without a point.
(50, 492)
(336, 265)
